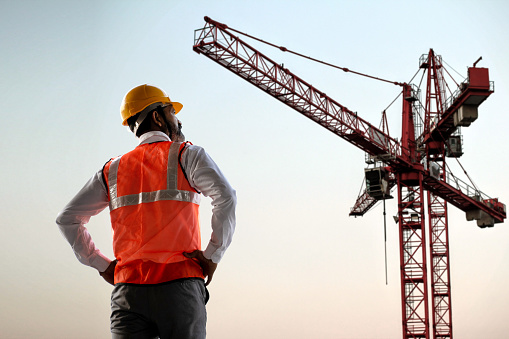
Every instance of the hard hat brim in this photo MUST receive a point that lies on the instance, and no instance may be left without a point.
(177, 106)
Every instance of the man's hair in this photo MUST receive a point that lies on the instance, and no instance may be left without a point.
(145, 124)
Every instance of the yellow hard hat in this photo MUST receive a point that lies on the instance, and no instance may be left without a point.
(140, 97)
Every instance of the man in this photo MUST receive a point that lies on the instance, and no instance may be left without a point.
(153, 194)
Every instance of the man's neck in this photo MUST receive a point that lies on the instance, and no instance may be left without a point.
(153, 136)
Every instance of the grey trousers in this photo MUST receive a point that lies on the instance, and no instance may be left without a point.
(171, 310)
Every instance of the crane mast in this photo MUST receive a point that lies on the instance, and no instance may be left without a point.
(437, 206)
(415, 165)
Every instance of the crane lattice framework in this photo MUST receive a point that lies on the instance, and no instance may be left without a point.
(415, 165)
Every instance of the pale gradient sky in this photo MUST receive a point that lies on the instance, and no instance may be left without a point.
(298, 267)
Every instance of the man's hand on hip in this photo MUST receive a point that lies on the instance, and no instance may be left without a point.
(207, 265)
(109, 274)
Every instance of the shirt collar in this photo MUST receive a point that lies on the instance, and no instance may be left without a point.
(153, 136)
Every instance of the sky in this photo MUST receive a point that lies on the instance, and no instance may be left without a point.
(299, 266)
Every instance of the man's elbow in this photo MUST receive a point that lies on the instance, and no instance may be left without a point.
(60, 218)
(64, 220)
(233, 197)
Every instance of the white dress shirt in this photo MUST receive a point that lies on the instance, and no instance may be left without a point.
(202, 173)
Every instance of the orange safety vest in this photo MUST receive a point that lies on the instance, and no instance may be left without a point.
(154, 215)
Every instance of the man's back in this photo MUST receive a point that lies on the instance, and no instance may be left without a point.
(154, 215)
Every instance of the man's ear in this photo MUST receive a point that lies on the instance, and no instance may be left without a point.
(157, 119)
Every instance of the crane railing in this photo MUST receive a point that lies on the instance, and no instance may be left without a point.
(462, 186)
(215, 42)
(455, 95)
(464, 196)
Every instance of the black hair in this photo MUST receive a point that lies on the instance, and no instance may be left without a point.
(145, 124)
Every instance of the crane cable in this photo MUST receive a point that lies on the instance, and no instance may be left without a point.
(401, 93)
(385, 243)
(284, 49)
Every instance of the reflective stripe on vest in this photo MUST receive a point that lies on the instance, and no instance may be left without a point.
(170, 193)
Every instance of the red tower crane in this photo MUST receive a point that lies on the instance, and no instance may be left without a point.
(414, 165)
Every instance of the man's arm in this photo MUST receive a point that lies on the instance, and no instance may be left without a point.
(89, 201)
(206, 177)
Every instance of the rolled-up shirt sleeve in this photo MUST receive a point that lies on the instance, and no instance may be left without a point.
(205, 176)
(89, 201)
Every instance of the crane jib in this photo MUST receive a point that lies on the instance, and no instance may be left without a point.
(251, 65)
